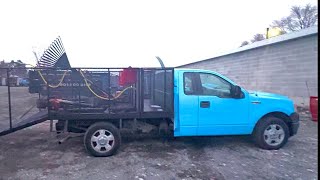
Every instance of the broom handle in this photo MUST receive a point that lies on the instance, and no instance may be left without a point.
(308, 88)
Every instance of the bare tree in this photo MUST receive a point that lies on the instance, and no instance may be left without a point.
(258, 37)
(244, 43)
(300, 18)
(17, 68)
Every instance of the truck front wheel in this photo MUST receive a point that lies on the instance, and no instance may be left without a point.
(271, 133)
(102, 139)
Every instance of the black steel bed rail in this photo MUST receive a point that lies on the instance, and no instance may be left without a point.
(96, 87)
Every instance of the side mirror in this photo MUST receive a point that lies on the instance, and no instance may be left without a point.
(237, 93)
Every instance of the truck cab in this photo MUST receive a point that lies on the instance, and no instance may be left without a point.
(207, 103)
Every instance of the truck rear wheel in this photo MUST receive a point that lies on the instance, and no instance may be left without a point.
(271, 133)
(102, 139)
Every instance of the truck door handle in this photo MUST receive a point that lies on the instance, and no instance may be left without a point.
(204, 104)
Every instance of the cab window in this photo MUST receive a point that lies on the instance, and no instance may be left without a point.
(188, 83)
(212, 85)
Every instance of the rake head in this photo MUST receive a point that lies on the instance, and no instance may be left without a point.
(54, 56)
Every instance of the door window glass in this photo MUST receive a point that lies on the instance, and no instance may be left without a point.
(213, 85)
(188, 84)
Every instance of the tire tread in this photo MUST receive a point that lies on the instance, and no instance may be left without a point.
(102, 125)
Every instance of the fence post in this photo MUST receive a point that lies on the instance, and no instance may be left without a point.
(9, 98)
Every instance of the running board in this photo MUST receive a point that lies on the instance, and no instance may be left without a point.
(27, 122)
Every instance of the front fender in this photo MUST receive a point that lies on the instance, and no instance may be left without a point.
(262, 110)
(260, 114)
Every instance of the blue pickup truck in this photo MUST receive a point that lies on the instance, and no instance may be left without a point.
(107, 103)
(209, 104)
(190, 102)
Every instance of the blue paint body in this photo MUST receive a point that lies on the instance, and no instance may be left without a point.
(224, 116)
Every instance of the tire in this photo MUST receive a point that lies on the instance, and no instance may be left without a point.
(102, 139)
(271, 133)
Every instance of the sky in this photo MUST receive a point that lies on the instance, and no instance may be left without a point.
(126, 33)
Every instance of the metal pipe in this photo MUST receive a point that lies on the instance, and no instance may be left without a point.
(51, 125)
(109, 91)
(9, 99)
(165, 91)
(142, 90)
(48, 101)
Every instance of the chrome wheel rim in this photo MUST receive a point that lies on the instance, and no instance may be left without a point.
(102, 141)
(274, 135)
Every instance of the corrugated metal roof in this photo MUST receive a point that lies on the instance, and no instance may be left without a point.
(285, 37)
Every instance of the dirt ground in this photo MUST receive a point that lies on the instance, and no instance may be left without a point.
(34, 153)
(22, 102)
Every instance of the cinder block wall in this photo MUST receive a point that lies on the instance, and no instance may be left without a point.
(289, 68)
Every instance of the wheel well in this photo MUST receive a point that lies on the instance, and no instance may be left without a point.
(279, 115)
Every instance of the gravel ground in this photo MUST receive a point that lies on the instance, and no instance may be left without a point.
(22, 103)
(34, 153)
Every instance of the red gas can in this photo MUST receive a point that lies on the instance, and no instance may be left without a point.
(314, 107)
(128, 77)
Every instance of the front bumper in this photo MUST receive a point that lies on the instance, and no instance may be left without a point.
(294, 124)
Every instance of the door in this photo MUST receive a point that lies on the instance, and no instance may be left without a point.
(188, 105)
(219, 113)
